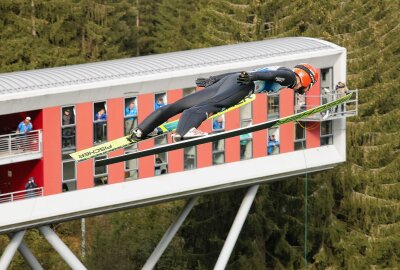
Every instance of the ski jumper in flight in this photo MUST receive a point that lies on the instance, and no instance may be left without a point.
(223, 91)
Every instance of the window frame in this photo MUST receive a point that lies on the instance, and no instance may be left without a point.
(303, 141)
(104, 138)
(276, 111)
(328, 136)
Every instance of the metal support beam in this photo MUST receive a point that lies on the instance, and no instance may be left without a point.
(61, 248)
(29, 257)
(10, 250)
(169, 234)
(236, 228)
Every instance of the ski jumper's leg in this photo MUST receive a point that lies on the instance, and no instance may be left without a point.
(229, 93)
(162, 114)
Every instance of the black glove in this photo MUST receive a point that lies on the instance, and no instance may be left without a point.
(244, 78)
(203, 82)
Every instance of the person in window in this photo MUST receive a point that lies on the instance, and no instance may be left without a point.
(67, 118)
(100, 121)
(130, 110)
(224, 91)
(273, 143)
(218, 123)
(159, 104)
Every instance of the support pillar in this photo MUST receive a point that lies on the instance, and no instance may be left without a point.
(169, 234)
(236, 228)
(61, 248)
(10, 250)
(29, 257)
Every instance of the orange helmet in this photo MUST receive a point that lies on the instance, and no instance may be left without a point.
(308, 75)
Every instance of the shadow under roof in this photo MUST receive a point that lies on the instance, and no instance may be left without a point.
(17, 82)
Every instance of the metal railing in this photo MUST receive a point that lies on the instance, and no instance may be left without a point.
(347, 109)
(21, 195)
(20, 144)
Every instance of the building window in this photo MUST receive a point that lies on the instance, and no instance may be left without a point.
(246, 142)
(68, 173)
(300, 136)
(100, 173)
(326, 85)
(100, 122)
(190, 158)
(327, 78)
(273, 106)
(160, 160)
(189, 91)
(68, 129)
(273, 141)
(218, 123)
(326, 133)
(300, 103)
(160, 100)
(131, 168)
(218, 152)
(130, 114)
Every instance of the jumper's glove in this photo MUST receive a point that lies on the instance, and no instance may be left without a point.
(244, 78)
(203, 82)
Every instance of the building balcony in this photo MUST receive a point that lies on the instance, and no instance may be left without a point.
(21, 195)
(20, 147)
(346, 109)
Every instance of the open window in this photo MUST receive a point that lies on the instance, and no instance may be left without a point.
(273, 106)
(68, 173)
(99, 122)
(190, 158)
(326, 133)
(131, 168)
(246, 141)
(300, 135)
(161, 160)
(68, 129)
(160, 100)
(218, 123)
(189, 91)
(218, 152)
(273, 145)
(130, 114)
(100, 173)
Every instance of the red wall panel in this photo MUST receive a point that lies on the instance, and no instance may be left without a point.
(52, 150)
(286, 133)
(175, 158)
(260, 116)
(84, 139)
(232, 145)
(115, 130)
(145, 107)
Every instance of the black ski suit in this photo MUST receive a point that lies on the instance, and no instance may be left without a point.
(224, 91)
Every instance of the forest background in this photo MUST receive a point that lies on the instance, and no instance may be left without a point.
(353, 210)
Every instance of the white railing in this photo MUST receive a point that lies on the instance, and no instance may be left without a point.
(21, 195)
(19, 144)
(347, 109)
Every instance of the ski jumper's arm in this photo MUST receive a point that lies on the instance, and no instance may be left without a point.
(205, 82)
(283, 76)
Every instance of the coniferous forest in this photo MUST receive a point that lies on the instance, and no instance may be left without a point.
(353, 210)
